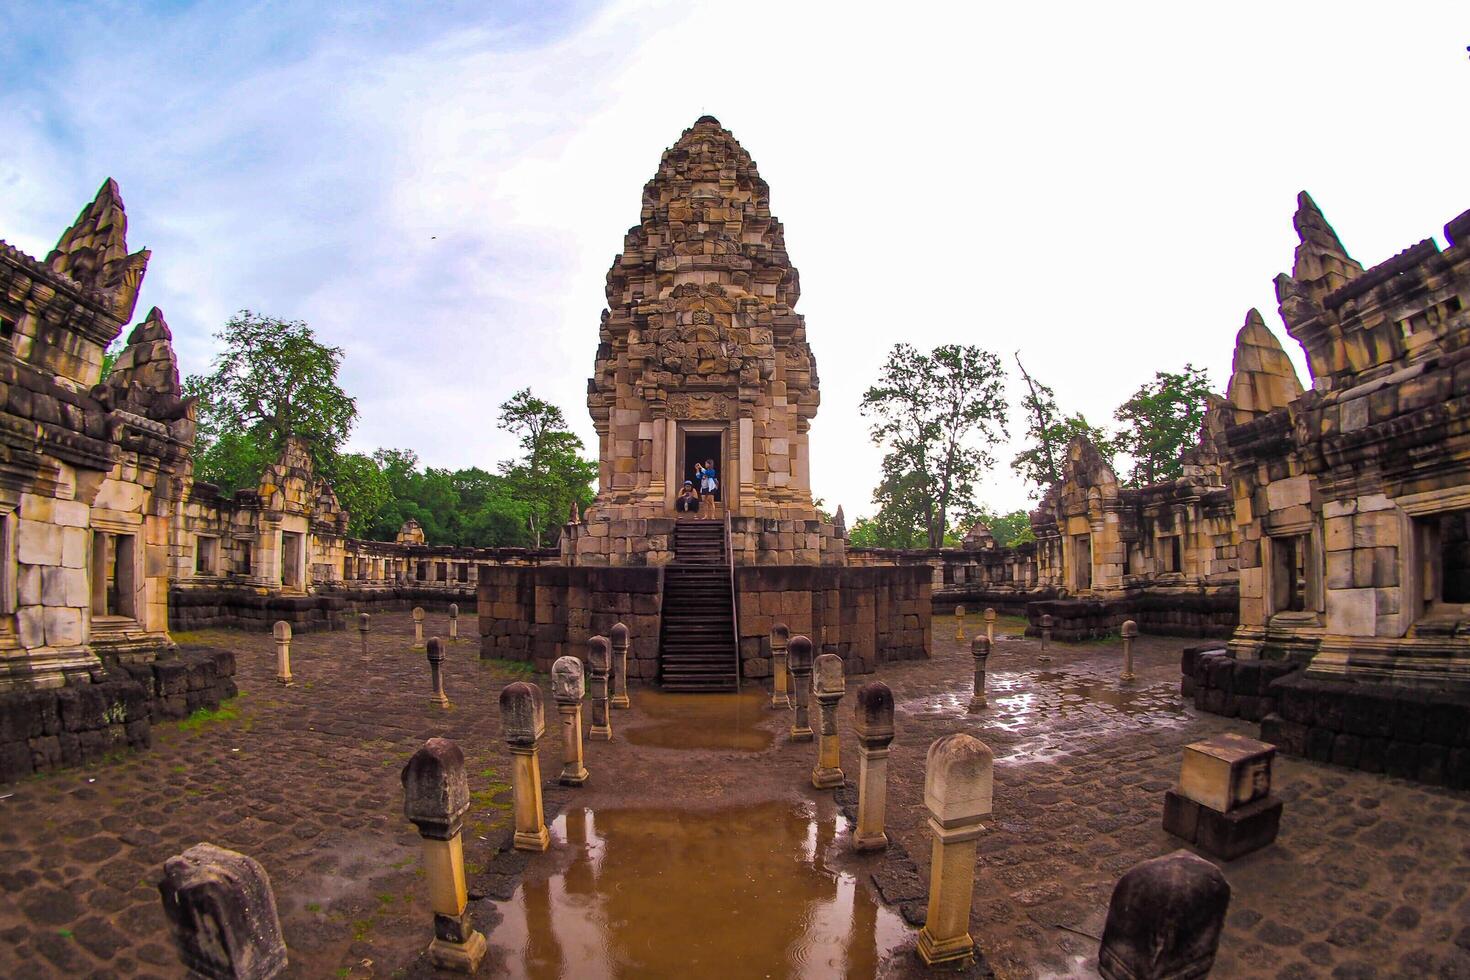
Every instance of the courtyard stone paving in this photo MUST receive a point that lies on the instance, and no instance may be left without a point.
(1368, 878)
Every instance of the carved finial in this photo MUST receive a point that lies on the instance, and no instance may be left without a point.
(94, 252)
(1262, 376)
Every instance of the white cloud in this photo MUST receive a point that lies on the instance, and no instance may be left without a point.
(1106, 189)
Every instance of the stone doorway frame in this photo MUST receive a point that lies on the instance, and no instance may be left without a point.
(728, 487)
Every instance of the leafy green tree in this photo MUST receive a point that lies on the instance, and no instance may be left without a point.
(109, 358)
(1008, 529)
(1047, 433)
(1160, 422)
(900, 521)
(551, 473)
(939, 415)
(232, 460)
(273, 379)
(362, 488)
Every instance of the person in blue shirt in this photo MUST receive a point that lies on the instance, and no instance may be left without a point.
(709, 484)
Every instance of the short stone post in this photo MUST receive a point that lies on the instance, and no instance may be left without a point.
(568, 688)
(990, 626)
(523, 721)
(1046, 622)
(599, 662)
(282, 634)
(1164, 919)
(958, 777)
(418, 627)
(959, 623)
(436, 797)
(980, 652)
(436, 672)
(828, 686)
(454, 620)
(873, 723)
(222, 915)
(619, 636)
(780, 637)
(799, 661)
(1130, 630)
(364, 626)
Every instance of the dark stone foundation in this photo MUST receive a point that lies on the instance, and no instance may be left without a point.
(1158, 613)
(57, 728)
(1402, 731)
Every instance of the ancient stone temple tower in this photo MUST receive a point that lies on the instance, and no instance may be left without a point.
(702, 356)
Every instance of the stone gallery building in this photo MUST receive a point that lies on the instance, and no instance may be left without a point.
(703, 357)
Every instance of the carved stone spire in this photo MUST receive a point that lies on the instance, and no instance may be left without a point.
(1322, 264)
(1262, 377)
(94, 253)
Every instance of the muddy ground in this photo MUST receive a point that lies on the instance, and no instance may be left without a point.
(698, 845)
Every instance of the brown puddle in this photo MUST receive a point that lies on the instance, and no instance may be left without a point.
(703, 721)
(745, 891)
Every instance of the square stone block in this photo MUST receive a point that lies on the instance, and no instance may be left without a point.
(1226, 772)
(1226, 836)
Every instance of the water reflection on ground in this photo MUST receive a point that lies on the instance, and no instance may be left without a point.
(744, 891)
(703, 721)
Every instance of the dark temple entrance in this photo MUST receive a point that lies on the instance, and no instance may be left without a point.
(698, 447)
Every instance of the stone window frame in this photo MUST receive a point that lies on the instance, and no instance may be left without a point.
(1074, 563)
(206, 564)
(1169, 547)
(134, 603)
(1314, 598)
(300, 576)
(1417, 509)
(244, 550)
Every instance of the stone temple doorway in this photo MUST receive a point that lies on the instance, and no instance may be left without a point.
(698, 447)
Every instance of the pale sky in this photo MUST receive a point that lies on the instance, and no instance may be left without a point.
(440, 190)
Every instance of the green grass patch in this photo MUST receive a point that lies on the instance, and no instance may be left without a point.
(522, 669)
(227, 711)
(361, 929)
(64, 933)
(313, 906)
(485, 798)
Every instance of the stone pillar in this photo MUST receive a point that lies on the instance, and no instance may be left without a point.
(222, 915)
(980, 651)
(619, 636)
(873, 722)
(1130, 630)
(1046, 622)
(364, 626)
(454, 620)
(418, 627)
(1164, 919)
(523, 722)
(959, 623)
(436, 672)
(990, 626)
(828, 686)
(282, 634)
(568, 688)
(436, 796)
(599, 662)
(957, 788)
(780, 637)
(799, 661)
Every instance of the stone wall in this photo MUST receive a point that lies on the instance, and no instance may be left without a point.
(1404, 732)
(868, 616)
(539, 613)
(52, 728)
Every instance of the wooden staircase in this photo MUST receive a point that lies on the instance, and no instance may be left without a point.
(697, 642)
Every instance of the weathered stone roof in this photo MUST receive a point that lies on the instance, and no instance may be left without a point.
(94, 252)
(1262, 376)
